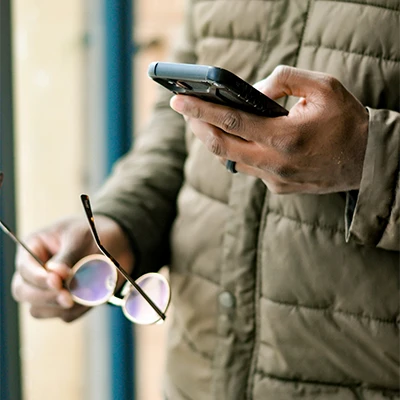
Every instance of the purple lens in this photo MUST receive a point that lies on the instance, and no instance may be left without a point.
(136, 307)
(93, 280)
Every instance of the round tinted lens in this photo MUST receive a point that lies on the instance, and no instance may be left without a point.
(93, 280)
(137, 309)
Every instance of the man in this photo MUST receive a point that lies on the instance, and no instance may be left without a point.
(285, 276)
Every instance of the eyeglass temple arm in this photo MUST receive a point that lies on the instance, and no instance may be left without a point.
(10, 234)
(89, 214)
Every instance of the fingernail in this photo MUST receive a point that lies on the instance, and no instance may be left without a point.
(60, 269)
(259, 85)
(177, 103)
(64, 300)
(53, 282)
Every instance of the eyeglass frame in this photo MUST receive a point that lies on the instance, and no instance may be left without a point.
(89, 214)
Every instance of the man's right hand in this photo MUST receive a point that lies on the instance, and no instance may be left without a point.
(61, 246)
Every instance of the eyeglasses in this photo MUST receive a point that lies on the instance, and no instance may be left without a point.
(93, 281)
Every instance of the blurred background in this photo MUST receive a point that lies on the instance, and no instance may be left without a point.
(73, 89)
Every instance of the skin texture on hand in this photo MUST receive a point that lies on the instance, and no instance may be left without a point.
(318, 148)
(61, 246)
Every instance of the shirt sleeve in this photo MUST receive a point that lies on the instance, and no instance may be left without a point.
(373, 214)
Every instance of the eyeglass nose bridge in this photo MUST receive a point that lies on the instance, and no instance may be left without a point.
(128, 289)
(89, 214)
(117, 300)
(90, 268)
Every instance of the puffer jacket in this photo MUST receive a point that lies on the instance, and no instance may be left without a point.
(274, 297)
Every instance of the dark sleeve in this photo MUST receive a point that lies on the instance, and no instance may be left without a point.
(141, 193)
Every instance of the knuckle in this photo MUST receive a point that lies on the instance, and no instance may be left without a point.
(330, 83)
(293, 144)
(215, 145)
(282, 70)
(231, 121)
(195, 112)
(287, 143)
(285, 171)
(282, 73)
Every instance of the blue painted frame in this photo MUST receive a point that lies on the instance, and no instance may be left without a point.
(10, 373)
(119, 115)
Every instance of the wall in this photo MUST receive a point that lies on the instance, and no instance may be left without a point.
(156, 20)
(50, 106)
(48, 65)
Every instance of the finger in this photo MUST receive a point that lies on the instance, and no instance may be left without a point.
(224, 145)
(43, 247)
(248, 127)
(290, 81)
(24, 292)
(60, 265)
(30, 270)
(272, 181)
(217, 141)
(74, 313)
(51, 312)
(249, 169)
(54, 280)
(42, 312)
(65, 299)
(227, 146)
(230, 120)
(73, 248)
(275, 183)
(59, 253)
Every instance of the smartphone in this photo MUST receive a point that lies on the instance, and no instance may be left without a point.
(216, 85)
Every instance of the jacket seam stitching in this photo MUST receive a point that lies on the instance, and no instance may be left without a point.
(301, 39)
(264, 41)
(193, 347)
(215, 359)
(359, 3)
(325, 47)
(182, 393)
(196, 274)
(237, 1)
(392, 205)
(257, 292)
(308, 223)
(335, 311)
(341, 384)
(355, 385)
(231, 39)
(201, 193)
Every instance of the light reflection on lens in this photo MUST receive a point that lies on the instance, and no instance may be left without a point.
(137, 309)
(93, 280)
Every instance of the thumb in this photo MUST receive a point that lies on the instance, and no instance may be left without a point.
(62, 262)
(290, 81)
